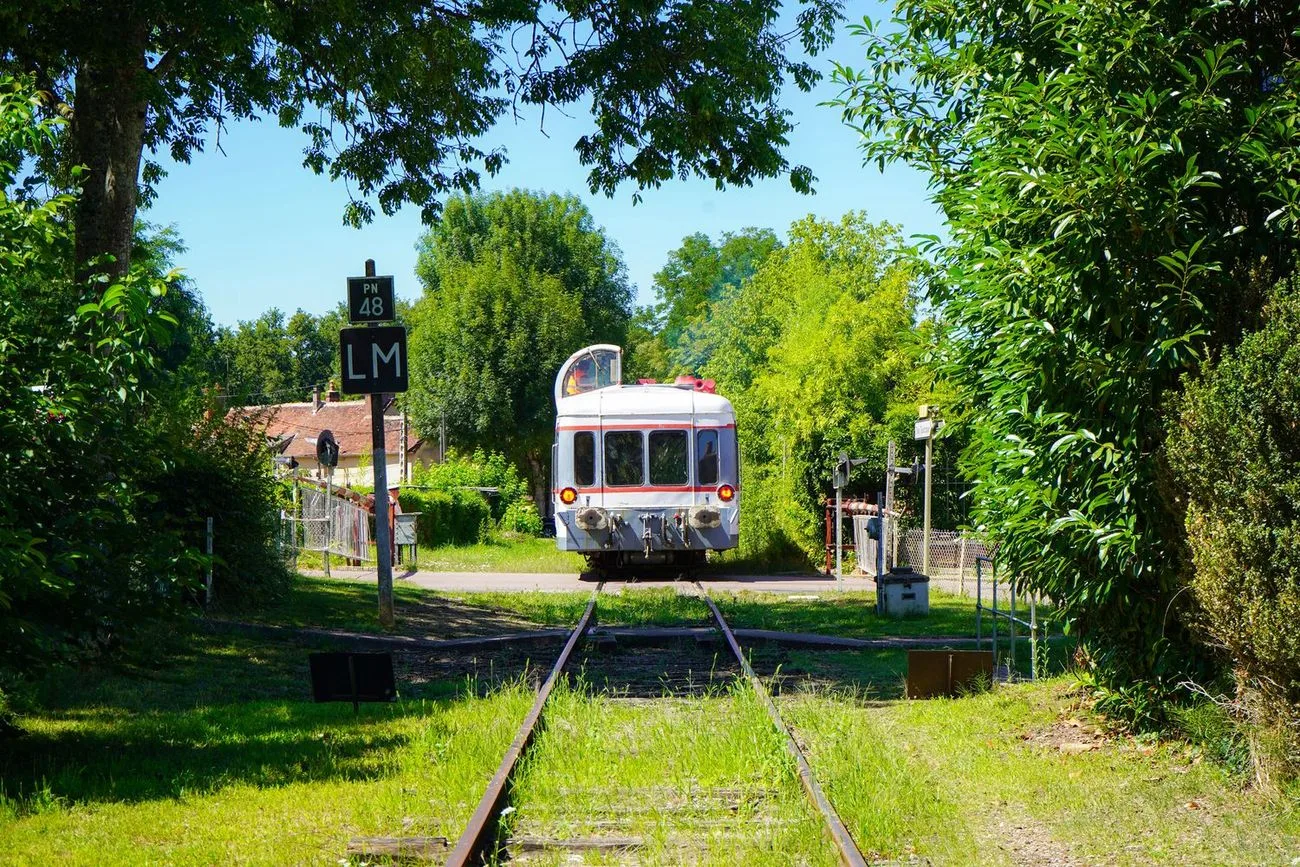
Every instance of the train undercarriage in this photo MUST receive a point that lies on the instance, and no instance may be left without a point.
(631, 565)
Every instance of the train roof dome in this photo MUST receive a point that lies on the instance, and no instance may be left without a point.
(645, 399)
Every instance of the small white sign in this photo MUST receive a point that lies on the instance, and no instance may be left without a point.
(926, 428)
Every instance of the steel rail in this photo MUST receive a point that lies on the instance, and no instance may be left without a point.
(482, 827)
(849, 853)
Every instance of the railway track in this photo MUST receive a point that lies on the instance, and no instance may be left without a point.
(480, 841)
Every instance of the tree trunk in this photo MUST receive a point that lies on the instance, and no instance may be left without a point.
(541, 484)
(108, 125)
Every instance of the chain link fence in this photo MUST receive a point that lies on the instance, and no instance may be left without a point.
(327, 523)
(953, 556)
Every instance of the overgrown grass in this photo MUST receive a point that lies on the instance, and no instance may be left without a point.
(968, 781)
(351, 604)
(218, 756)
(695, 781)
(851, 613)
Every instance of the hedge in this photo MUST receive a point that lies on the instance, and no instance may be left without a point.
(447, 517)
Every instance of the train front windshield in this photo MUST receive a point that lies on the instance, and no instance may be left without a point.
(597, 368)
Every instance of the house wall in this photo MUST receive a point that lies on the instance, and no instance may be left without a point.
(349, 473)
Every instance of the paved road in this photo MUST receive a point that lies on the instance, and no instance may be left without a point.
(569, 581)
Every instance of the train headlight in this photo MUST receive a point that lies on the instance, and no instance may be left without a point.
(726, 493)
(568, 496)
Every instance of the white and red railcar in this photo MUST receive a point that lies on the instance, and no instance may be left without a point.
(644, 474)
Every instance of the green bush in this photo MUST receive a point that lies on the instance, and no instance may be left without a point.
(1237, 453)
(522, 517)
(458, 475)
(447, 517)
(221, 470)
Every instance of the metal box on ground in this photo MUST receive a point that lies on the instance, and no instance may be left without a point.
(903, 592)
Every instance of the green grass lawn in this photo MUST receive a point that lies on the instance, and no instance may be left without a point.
(350, 604)
(1019, 775)
(515, 554)
(217, 755)
(347, 603)
(208, 749)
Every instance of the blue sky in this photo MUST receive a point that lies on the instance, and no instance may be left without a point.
(263, 231)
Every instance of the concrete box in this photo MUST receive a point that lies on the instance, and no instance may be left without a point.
(904, 592)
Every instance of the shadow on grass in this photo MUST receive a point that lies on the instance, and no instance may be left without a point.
(870, 675)
(339, 603)
(200, 712)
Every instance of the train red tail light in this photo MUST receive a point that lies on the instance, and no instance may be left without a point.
(726, 493)
(568, 496)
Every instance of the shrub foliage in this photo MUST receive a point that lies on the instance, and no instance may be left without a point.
(104, 478)
(453, 512)
(1237, 451)
(1121, 187)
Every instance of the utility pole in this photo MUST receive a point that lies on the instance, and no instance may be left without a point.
(383, 552)
(926, 428)
(841, 472)
(925, 533)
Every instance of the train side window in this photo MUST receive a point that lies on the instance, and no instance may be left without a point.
(624, 457)
(706, 456)
(584, 458)
(669, 462)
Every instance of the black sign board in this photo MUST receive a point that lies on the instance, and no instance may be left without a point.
(374, 359)
(370, 299)
(354, 677)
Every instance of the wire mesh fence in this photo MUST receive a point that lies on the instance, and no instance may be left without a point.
(953, 555)
(325, 522)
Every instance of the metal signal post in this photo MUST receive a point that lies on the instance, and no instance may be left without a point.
(384, 550)
(373, 358)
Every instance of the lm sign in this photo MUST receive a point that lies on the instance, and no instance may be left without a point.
(374, 359)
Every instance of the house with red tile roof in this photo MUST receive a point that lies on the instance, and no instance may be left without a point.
(300, 424)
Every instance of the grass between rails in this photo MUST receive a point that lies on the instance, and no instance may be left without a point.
(986, 780)
(219, 756)
(702, 781)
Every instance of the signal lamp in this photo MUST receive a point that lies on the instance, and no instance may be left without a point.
(568, 496)
(726, 493)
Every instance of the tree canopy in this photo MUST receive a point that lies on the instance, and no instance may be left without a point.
(819, 353)
(272, 359)
(1120, 185)
(698, 275)
(394, 96)
(513, 284)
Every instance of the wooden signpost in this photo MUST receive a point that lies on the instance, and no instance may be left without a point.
(374, 363)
